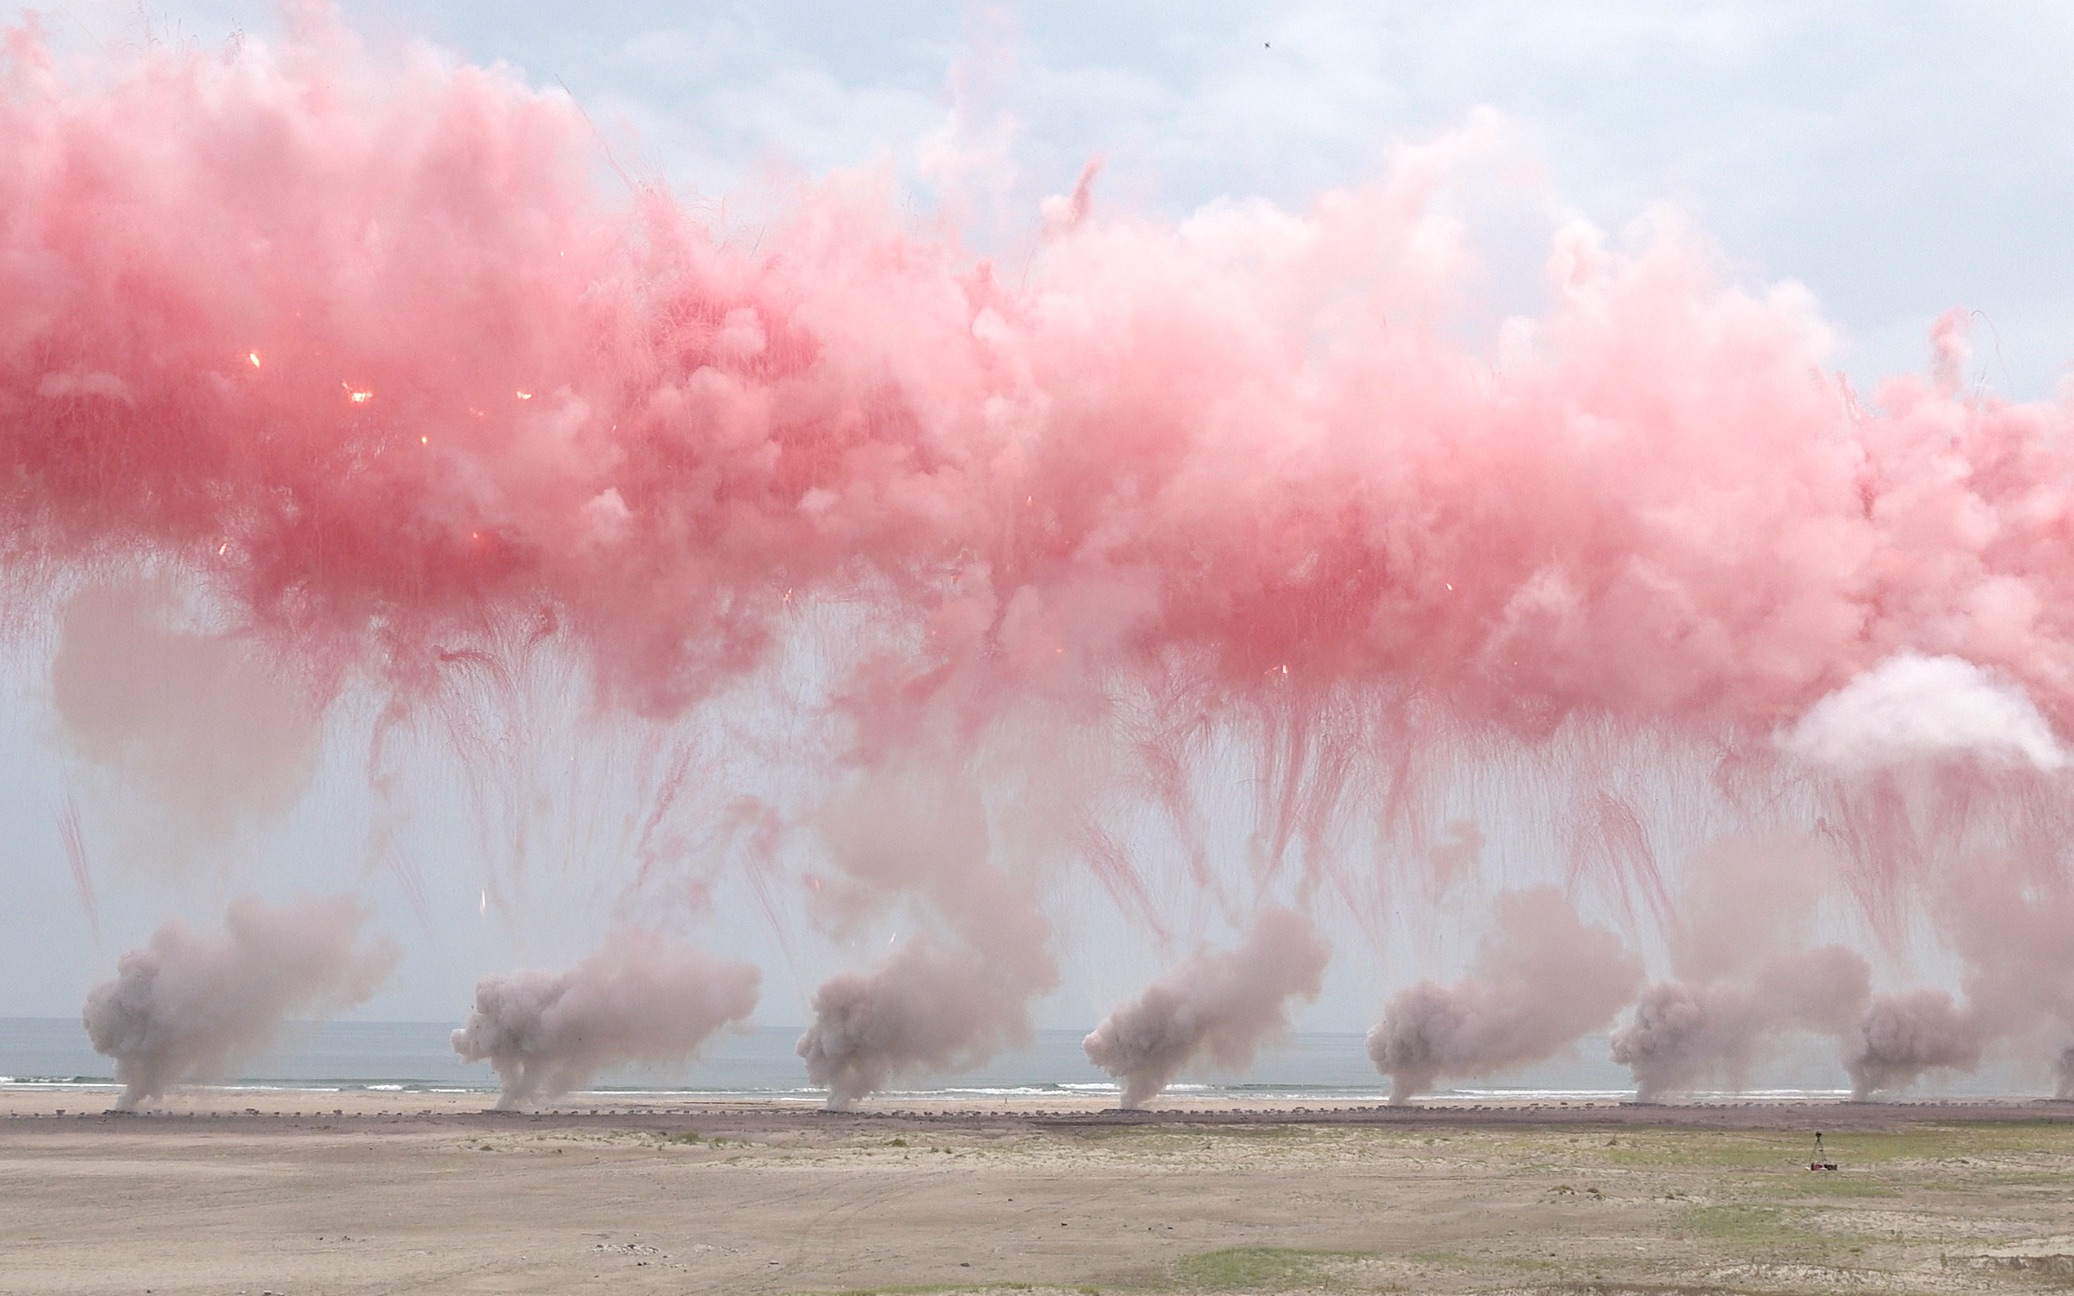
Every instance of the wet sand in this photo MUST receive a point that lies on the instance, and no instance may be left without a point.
(355, 1192)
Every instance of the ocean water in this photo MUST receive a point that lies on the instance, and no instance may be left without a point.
(754, 1063)
(1313, 1066)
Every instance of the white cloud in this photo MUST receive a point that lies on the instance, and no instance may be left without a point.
(1910, 709)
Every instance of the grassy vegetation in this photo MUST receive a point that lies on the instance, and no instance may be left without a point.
(934, 1289)
(1262, 1269)
(941, 1289)
(1748, 1227)
(1610, 1210)
(1842, 1186)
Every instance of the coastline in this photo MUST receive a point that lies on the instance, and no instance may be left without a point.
(209, 1107)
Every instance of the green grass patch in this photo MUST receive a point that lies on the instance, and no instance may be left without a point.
(1458, 1260)
(1236, 1269)
(1703, 1150)
(1745, 1225)
(930, 1289)
(1812, 1184)
(1954, 1142)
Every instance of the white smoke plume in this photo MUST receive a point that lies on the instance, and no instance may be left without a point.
(1912, 708)
(193, 1005)
(940, 1002)
(1743, 980)
(1224, 1003)
(642, 1000)
(1909, 1033)
(1542, 978)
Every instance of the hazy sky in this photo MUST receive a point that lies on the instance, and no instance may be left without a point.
(1899, 159)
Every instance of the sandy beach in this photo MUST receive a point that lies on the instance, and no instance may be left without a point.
(296, 1191)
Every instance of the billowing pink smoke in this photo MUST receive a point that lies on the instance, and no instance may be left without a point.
(193, 1005)
(642, 1000)
(360, 348)
(1543, 978)
(1221, 1003)
(363, 347)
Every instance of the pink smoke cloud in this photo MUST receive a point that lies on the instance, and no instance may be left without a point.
(364, 347)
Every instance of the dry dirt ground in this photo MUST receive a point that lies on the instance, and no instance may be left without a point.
(430, 1197)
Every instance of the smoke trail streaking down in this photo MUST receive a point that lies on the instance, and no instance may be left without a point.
(642, 1000)
(1224, 1003)
(1542, 979)
(193, 1005)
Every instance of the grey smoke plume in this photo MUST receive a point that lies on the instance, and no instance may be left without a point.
(2014, 928)
(642, 1000)
(1225, 1003)
(2064, 1091)
(1907, 1034)
(192, 1005)
(2009, 926)
(929, 1008)
(939, 1003)
(1542, 978)
(1684, 1035)
(1742, 981)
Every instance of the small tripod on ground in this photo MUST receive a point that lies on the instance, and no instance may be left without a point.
(1821, 1160)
